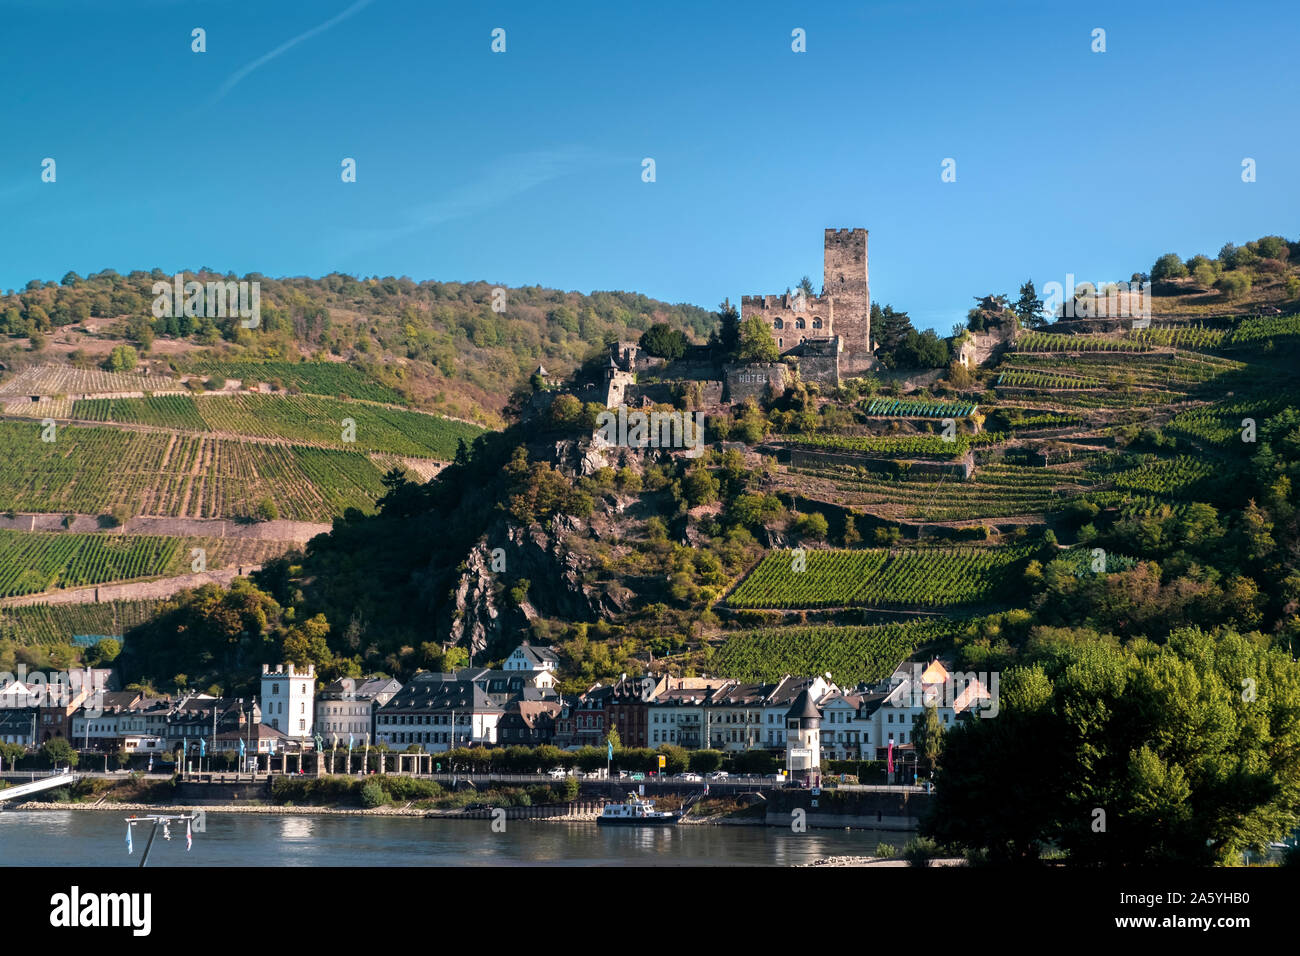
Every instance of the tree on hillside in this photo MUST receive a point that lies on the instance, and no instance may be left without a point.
(990, 312)
(663, 341)
(806, 287)
(922, 350)
(1168, 266)
(890, 329)
(727, 334)
(123, 358)
(1029, 307)
(756, 343)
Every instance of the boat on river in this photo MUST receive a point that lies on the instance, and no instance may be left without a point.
(636, 812)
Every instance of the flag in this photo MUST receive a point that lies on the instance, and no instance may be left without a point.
(890, 755)
(349, 743)
(203, 747)
(189, 837)
(272, 746)
(129, 848)
(610, 752)
(241, 749)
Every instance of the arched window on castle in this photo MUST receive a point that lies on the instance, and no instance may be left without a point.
(817, 323)
(799, 323)
(778, 324)
(780, 343)
(802, 340)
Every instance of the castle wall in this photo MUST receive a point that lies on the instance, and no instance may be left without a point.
(843, 308)
(753, 381)
(784, 313)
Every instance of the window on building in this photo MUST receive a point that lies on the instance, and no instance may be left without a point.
(778, 324)
(817, 323)
(799, 323)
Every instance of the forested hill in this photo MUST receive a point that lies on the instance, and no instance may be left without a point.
(440, 344)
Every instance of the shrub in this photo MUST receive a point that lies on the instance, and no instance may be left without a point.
(373, 795)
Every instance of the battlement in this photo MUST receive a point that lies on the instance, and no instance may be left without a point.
(846, 233)
(781, 301)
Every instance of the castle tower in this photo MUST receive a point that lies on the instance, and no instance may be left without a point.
(803, 723)
(289, 699)
(845, 284)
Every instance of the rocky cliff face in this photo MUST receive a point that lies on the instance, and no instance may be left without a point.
(483, 615)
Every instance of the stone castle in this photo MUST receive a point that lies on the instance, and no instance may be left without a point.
(836, 322)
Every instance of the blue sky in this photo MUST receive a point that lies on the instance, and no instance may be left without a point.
(525, 167)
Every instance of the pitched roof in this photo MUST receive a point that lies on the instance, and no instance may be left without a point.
(427, 695)
(803, 708)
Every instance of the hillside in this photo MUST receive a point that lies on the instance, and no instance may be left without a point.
(1111, 494)
(438, 346)
(1077, 486)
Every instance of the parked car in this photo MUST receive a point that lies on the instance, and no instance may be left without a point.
(690, 777)
(638, 776)
(558, 773)
(719, 775)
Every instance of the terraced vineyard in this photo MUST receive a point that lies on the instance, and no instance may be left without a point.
(1258, 330)
(1059, 342)
(90, 469)
(900, 446)
(66, 380)
(1181, 336)
(167, 411)
(850, 654)
(1164, 476)
(314, 378)
(59, 623)
(919, 408)
(928, 578)
(1035, 379)
(56, 408)
(995, 491)
(34, 562)
(1158, 369)
(320, 420)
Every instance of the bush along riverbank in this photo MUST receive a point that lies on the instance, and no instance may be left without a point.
(388, 792)
(389, 795)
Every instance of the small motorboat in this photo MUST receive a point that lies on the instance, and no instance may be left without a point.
(636, 812)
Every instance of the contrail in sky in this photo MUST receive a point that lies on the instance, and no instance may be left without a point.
(243, 71)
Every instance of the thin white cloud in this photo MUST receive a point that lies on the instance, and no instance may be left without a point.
(266, 58)
(502, 181)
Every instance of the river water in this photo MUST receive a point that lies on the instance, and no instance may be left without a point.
(98, 838)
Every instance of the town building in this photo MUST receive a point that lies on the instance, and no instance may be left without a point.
(348, 706)
(437, 714)
(529, 657)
